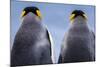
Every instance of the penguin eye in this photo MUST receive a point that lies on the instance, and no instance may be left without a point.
(38, 13)
(85, 16)
(72, 16)
(23, 14)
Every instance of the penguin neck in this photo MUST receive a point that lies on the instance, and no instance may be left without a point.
(79, 24)
(31, 19)
(79, 21)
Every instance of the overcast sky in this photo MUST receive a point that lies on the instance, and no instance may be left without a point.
(54, 16)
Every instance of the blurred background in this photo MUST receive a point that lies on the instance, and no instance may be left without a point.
(55, 16)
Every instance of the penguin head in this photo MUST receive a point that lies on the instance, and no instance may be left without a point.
(77, 13)
(31, 9)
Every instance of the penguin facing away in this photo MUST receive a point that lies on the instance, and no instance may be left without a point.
(32, 45)
(79, 42)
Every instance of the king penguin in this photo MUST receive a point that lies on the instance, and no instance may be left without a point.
(79, 41)
(32, 44)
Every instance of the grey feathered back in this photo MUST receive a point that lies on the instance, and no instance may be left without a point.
(31, 44)
(77, 45)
